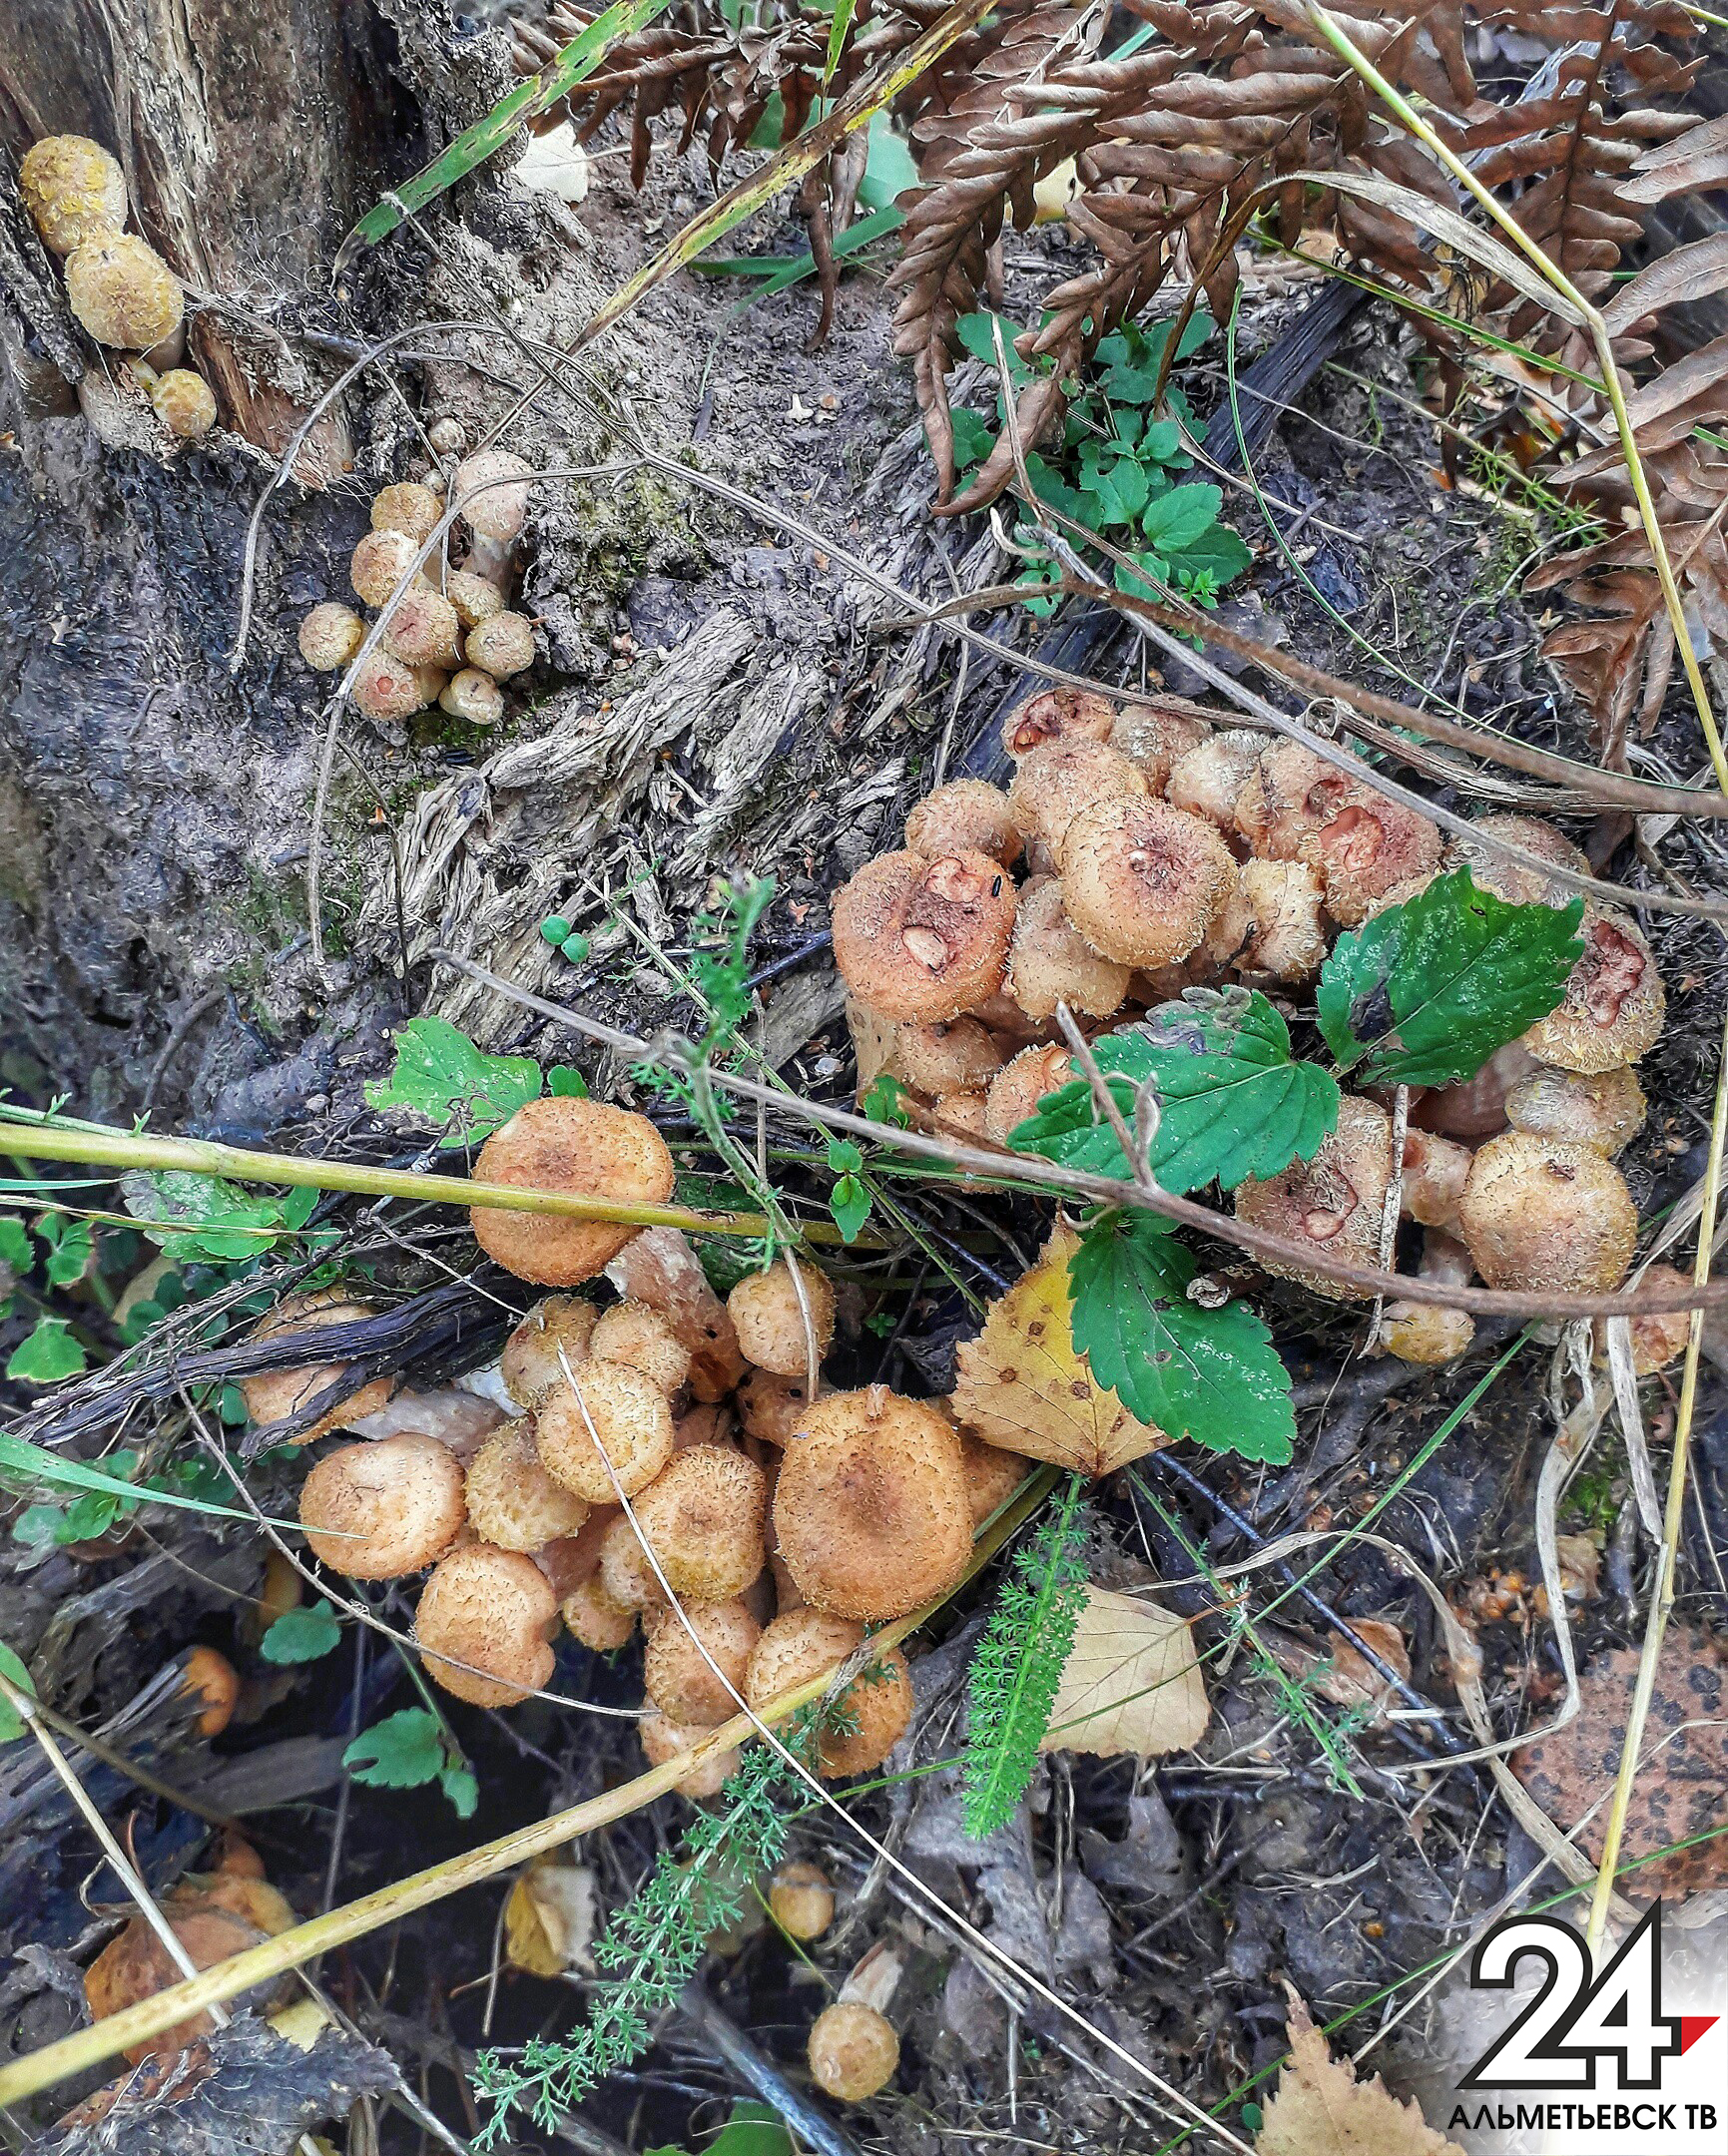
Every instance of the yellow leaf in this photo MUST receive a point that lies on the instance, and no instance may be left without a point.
(1023, 1387)
(1322, 2109)
(302, 2023)
(549, 1918)
(1131, 1682)
(1052, 195)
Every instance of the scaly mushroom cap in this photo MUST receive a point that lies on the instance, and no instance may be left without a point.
(1435, 1173)
(632, 1332)
(475, 598)
(1336, 1200)
(664, 1740)
(1539, 1213)
(630, 1416)
(389, 687)
(1290, 794)
(379, 562)
(1426, 1334)
(773, 1406)
(1367, 848)
(594, 1619)
(955, 1055)
(422, 629)
(800, 1900)
(1286, 941)
(74, 190)
(853, 2051)
(675, 1673)
(704, 1517)
(1659, 1336)
(498, 512)
(1057, 713)
(184, 403)
(925, 940)
(557, 1327)
(1155, 736)
(992, 1476)
(472, 697)
(1208, 779)
(1055, 782)
(490, 1609)
(769, 1317)
(329, 637)
(1604, 1110)
(512, 1501)
(586, 1147)
(878, 1704)
(1050, 962)
(122, 292)
(1020, 1085)
(1143, 882)
(408, 507)
(870, 1512)
(1614, 1002)
(626, 1577)
(383, 1509)
(968, 816)
(1509, 879)
(501, 646)
(273, 1396)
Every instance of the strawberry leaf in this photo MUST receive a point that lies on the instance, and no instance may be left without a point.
(440, 1074)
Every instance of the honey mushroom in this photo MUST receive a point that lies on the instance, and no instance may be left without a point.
(869, 1716)
(1057, 713)
(799, 1900)
(967, 815)
(1020, 1085)
(482, 1625)
(604, 1429)
(559, 1326)
(1335, 1201)
(675, 1670)
(385, 1508)
(1142, 882)
(1053, 784)
(512, 1501)
(585, 1148)
(923, 940)
(1155, 735)
(274, 1395)
(853, 2051)
(783, 1317)
(1543, 1213)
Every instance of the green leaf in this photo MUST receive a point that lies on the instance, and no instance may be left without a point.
(462, 1788)
(48, 1354)
(302, 1635)
(1220, 553)
(11, 1721)
(33, 1464)
(403, 1751)
(1210, 1375)
(440, 1074)
(976, 333)
(752, 2130)
(38, 1526)
(70, 1246)
(850, 1204)
(1180, 519)
(1425, 992)
(884, 1101)
(15, 1252)
(223, 1221)
(565, 1083)
(1233, 1101)
(974, 437)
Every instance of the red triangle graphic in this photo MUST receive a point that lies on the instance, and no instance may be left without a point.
(1692, 2026)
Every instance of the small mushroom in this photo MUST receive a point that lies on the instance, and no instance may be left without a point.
(212, 1677)
(1334, 1202)
(1476, 1107)
(1288, 796)
(1053, 784)
(379, 563)
(472, 696)
(853, 2050)
(475, 598)
(1155, 735)
(408, 507)
(387, 688)
(770, 1315)
(1492, 871)
(1658, 1336)
(1208, 779)
(122, 292)
(1435, 1173)
(1020, 1085)
(1286, 939)
(1057, 713)
(184, 403)
(422, 630)
(603, 1409)
(385, 1508)
(274, 1395)
(1143, 882)
(1050, 962)
(633, 1334)
(626, 1576)
(659, 1266)
(501, 644)
(676, 1672)
(773, 1406)
(511, 1498)
(586, 1148)
(594, 1619)
(704, 1517)
(954, 1055)
(74, 190)
(1604, 1110)
(992, 1476)
(664, 1740)
(870, 1512)
(867, 1718)
(799, 1900)
(919, 939)
(1540, 1213)
(491, 489)
(1430, 1333)
(1367, 848)
(967, 815)
(482, 1625)
(329, 637)
(557, 1329)
(1614, 1002)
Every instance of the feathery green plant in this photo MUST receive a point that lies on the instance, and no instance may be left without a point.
(1019, 1665)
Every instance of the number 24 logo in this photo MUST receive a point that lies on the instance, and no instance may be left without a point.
(1575, 2018)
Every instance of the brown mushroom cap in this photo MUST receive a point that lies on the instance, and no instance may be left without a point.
(1435, 1173)
(704, 1517)
(184, 403)
(1050, 962)
(870, 1512)
(213, 1678)
(379, 562)
(967, 815)
(955, 1055)
(472, 696)
(1021, 1084)
(274, 1395)
(675, 1672)
(501, 644)
(1614, 1002)
(122, 292)
(664, 1740)
(511, 1498)
(617, 1404)
(853, 2051)
(564, 1143)
(1057, 713)
(1426, 1334)
(923, 940)
(491, 1609)
(1208, 779)
(1286, 941)
(1367, 848)
(1053, 784)
(382, 1510)
(408, 507)
(1155, 736)
(329, 637)
(136, 1965)
(877, 1704)
(73, 190)
(773, 1406)
(595, 1619)
(1476, 1107)
(632, 1332)
(992, 1476)
(1604, 1110)
(391, 688)
(626, 1576)
(557, 1327)
(1539, 1213)
(422, 630)
(769, 1317)
(800, 1900)
(1143, 882)
(499, 512)
(475, 598)
(1658, 1336)
(1336, 1200)
(1288, 795)
(1491, 871)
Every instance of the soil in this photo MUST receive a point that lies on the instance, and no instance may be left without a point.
(716, 697)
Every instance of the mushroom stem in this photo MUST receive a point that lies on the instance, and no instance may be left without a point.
(875, 1978)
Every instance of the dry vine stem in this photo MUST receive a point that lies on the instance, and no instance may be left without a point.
(137, 2024)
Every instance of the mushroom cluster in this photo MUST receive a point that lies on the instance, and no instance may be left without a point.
(1161, 852)
(116, 285)
(665, 1465)
(451, 637)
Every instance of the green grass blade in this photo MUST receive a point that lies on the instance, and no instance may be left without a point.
(838, 32)
(488, 136)
(19, 1457)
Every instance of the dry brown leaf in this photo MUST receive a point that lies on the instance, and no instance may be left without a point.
(1322, 2109)
(1022, 1384)
(549, 1918)
(1339, 1672)
(1131, 1682)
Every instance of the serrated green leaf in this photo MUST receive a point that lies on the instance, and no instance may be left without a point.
(1425, 992)
(15, 1252)
(1210, 1375)
(440, 1074)
(403, 1751)
(11, 1721)
(302, 1635)
(47, 1354)
(1232, 1102)
(1219, 553)
(1178, 520)
(70, 1246)
(850, 1205)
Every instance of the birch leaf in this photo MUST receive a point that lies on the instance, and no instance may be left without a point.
(1131, 1682)
(1322, 2109)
